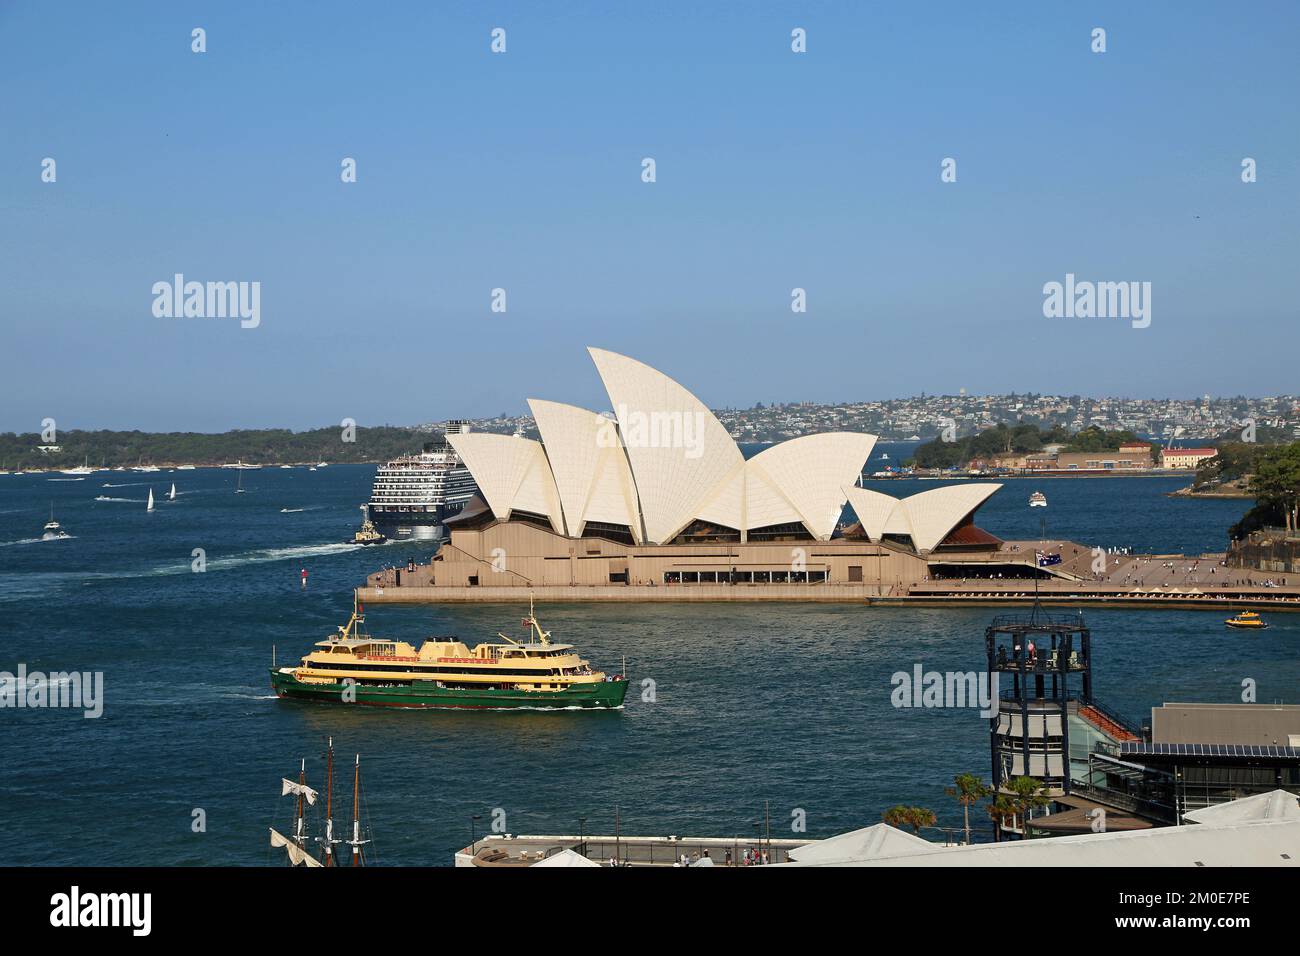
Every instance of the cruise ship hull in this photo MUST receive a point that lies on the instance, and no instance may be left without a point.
(427, 695)
(408, 527)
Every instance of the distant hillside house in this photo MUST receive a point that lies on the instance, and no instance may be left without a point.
(1185, 457)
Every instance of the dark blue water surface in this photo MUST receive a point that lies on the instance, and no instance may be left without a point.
(788, 704)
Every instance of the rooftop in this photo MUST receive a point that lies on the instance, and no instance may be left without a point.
(1247, 832)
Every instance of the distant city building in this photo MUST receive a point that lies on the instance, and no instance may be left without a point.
(1132, 457)
(925, 417)
(1185, 457)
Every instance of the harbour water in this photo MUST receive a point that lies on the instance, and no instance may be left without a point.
(788, 704)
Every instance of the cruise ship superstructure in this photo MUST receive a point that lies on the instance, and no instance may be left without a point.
(414, 494)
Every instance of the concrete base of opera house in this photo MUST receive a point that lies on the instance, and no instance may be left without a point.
(681, 594)
(504, 562)
(1050, 594)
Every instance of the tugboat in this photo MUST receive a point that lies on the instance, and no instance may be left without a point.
(352, 667)
(368, 534)
(1038, 500)
(1248, 621)
(53, 530)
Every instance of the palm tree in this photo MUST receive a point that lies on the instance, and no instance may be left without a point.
(1000, 809)
(1026, 794)
(912, 817)
(969, 790)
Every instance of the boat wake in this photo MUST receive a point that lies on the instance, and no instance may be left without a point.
(133, 501)
(282, 554)
(65, 479)
(30, 585)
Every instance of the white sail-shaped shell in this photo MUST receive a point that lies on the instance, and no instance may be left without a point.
(680, 453)
(872, 508)
(927, 518)
(590, 466)
(667, 463)
(808, 475)
(512, 474)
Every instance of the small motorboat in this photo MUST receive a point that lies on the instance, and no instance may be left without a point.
(53, 530)
(1038, 500)
(1247, 620)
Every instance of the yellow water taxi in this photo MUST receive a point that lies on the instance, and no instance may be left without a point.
(1247, 620)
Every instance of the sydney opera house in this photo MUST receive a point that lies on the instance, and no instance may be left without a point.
(660, 495)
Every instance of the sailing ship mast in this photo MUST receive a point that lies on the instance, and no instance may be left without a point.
(295, 846)
(356, 842)
(300, 824)
(328, 840)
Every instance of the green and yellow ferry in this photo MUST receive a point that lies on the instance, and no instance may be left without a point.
(351, 667)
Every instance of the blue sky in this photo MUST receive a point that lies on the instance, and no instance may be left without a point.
(522, 171)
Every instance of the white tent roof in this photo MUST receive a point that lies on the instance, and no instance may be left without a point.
(1277, 805)
(877, 842)
(565, 857)
(1253, 831)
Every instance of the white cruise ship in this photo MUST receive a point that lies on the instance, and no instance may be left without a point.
(412, 495)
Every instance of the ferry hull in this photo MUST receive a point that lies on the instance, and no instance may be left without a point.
(603, 695)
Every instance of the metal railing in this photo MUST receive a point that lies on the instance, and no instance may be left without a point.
(1122, 722)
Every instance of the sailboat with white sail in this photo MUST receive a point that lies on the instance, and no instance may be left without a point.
(149, 507)
(171, 495)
